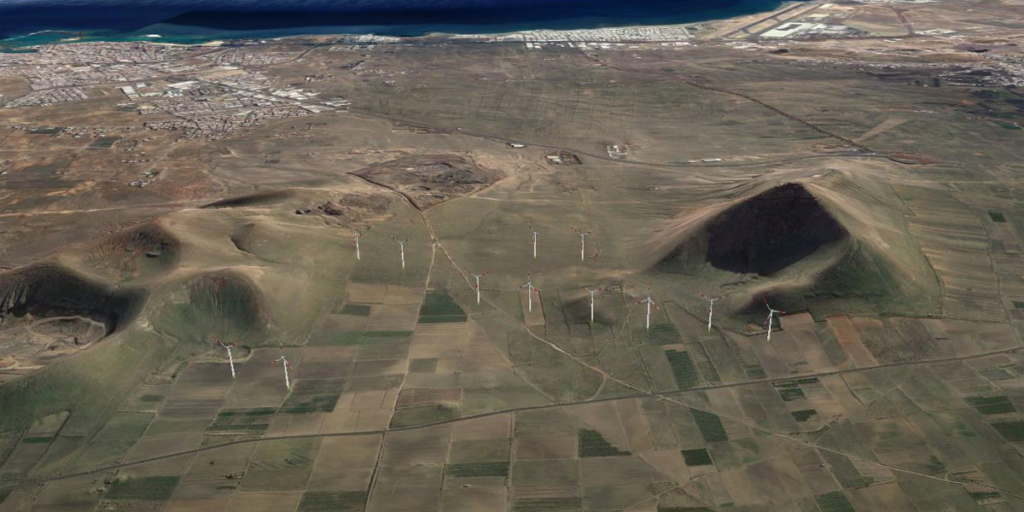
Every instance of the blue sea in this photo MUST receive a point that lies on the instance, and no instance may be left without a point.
(30, 22)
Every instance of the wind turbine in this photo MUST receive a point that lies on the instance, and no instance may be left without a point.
(284, 363)
(592, 293)
(650, 302)
(583, 242)
(535, 233)
(477, 287)
(231, 360)
(771, 314)
(711, 307)
(401, 243)
(530, 289)
(358, 235)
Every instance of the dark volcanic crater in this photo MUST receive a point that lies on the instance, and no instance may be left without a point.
(771, 231)
(761, 235)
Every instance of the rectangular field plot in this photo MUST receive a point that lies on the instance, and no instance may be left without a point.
(991, 405)
(345, 464)
(697, 457)
(683, 368)
(664, 333)
(834, 502)
(424, 415)
(306, 404)
(477, 469)
(366, 293)
(358, 338)
(242, 421)
(536, 481)
(403, 295)
(282, 465)
(474, 499)
(318, 501)
(397, 317)
(421, 397)
(264, 502)
(342, 322)
(1012, 431)
(356, 310)
(547, 504)
(406, 488)
(154, 488)
(710, 426)
(113, 441)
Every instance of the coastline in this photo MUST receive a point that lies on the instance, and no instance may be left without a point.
(495, 32)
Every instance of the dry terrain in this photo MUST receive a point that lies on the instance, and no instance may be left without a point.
(856, 165)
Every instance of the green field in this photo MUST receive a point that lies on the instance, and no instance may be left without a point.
(247, 421)
(683, 369)
(790, 394)
(476, 469)
(804, 415)
(439, 307)
(299, 404)
(710, 426)
(991, 405)
(593, 444)
(834, 502)
(1012, 431)
(356, 310)
(844, 470)
(662, 334)
(997, 217)
(546, 504)
(697, 457)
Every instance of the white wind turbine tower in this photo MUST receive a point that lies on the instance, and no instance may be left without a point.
(477, 287)
(711, 307)
(771, 314)
(650, 302)
(401, 243)
(583, 242)
(535, 233)
(231, 360)
(530, 289)
(592, 293)
(358, 235)
(284, 363)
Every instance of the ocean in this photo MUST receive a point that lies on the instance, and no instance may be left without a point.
(31, 22)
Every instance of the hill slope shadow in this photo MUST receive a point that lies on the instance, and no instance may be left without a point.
(771, 231)
(807, 246)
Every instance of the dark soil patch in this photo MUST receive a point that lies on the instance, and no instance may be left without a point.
(428, 180)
